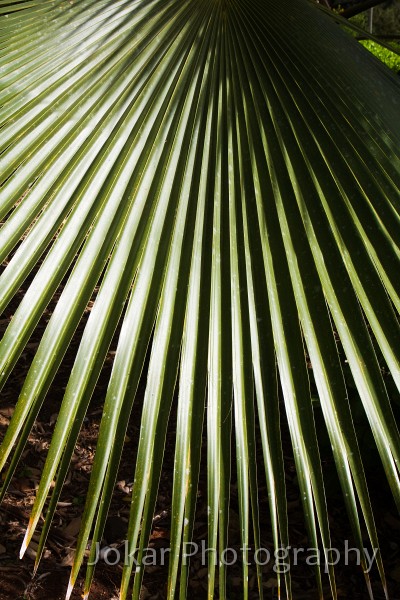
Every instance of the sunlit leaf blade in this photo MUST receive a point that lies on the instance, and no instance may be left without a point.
(193, 369)
(221, 180)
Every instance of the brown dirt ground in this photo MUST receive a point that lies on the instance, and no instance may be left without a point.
(50, 581)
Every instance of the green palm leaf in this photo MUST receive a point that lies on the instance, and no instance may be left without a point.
(228, 174)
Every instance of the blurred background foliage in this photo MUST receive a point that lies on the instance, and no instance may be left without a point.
(385, 24)
(390, 59)
(386, 19)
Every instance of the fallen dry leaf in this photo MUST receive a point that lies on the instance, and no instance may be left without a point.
(72, 529)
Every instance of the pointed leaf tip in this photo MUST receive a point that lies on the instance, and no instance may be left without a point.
(69, 590)
(24, 545)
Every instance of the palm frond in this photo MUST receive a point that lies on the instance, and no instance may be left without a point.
(227, 174)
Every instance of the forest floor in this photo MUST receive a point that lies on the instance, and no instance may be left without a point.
(51, 580)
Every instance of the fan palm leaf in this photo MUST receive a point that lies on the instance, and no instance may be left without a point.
(226, 176)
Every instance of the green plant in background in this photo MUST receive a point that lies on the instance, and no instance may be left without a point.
(229, 172)
(386, 18)
(390, 59)
(386, 22)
